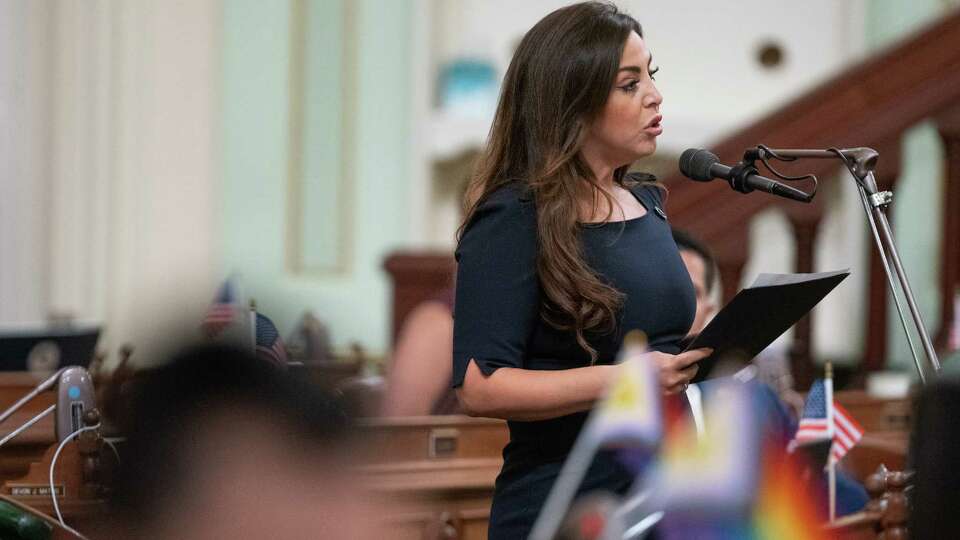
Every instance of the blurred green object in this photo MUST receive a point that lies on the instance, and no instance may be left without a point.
(16, 524)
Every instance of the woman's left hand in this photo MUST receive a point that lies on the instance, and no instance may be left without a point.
(677, 370)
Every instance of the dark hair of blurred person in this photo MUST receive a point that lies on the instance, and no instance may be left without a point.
(934, 447)
(223, 445)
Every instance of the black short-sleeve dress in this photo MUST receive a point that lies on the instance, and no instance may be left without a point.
(497, 324)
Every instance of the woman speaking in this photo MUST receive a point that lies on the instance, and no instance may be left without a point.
(562, 252)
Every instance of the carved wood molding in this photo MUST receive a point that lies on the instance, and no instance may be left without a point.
(873, 101)
(806, 226)
(870, 104)
(949, 126)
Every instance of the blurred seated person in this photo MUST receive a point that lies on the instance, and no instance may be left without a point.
(703, 273)
(421, 367)
(223, 445)
(771, 365)
(770, 381)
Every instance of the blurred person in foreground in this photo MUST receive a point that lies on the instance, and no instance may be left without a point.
(223, 445)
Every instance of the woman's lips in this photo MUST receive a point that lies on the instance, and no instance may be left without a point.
(654, 127)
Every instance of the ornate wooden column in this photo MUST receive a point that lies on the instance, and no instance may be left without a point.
(949, 127)
(878, 291)
(805, 220)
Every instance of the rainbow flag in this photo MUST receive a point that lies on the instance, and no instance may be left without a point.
(731, 483)
(786, 508)
(715, 473)
(630, 413)
(628, 416)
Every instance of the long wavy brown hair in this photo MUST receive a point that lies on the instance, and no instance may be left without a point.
(557, 84)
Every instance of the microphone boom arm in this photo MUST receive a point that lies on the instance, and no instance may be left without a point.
(861, 162)
(42, 387)
(26, 425)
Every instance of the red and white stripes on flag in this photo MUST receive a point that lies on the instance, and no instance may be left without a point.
(846, 433)
(824, 418)
(218, 317)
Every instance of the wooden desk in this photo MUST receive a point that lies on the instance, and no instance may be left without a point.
(886, 424)
(441, 469)
(878, 414)
(433, 472)
(21, 459)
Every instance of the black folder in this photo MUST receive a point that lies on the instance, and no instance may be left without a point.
(759, 314)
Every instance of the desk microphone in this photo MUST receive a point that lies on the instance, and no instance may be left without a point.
(74, 397)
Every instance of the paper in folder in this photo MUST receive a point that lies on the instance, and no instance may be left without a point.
(759, 314)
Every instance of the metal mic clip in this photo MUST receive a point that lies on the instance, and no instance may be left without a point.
(751, 155)
(739, 174)
(864, 160)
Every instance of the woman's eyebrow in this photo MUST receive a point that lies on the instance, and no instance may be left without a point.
(636, 69)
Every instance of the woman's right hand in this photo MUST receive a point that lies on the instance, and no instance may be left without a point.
(677, 370)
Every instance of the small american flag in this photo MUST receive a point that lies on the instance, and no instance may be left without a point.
(269, 344)
(847, 432)
(222, 311)
(815, 423)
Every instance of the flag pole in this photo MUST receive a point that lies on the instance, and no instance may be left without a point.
(831, 463)
(578, 461)
(253, 326)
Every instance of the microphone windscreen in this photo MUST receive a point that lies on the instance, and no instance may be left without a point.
(695, 164)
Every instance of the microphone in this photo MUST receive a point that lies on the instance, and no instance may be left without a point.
(74, 397)
(703, 166)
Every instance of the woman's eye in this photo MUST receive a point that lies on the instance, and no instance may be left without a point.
(630, 87)
(653, 72)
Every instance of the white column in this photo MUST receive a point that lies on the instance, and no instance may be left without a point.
(108, 160)
(24, 135)
(163, 218)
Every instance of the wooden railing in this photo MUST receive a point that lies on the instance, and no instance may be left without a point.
(870, 104)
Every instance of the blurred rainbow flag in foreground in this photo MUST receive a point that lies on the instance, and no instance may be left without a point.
(630, 413)
(732, 482)
(735, 480)
(786, 507)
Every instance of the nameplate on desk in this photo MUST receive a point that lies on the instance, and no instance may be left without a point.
(443, 442)
(33, 490)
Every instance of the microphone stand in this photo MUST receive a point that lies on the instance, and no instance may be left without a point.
(42, 387)
(861, 163)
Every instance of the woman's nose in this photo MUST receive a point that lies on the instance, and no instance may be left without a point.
(654, 98)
